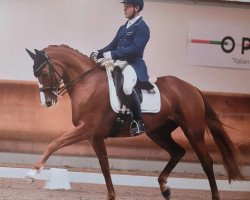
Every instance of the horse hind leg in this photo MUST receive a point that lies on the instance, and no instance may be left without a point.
(163, 138)
(197, 141)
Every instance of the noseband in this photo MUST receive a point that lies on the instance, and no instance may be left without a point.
(59, 88)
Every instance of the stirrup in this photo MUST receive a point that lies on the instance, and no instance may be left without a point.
(136, 128)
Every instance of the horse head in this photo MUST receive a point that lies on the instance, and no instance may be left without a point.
(49, 78)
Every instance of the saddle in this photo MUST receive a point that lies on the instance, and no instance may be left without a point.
(150, 99)
(118, 80)
(148, 93)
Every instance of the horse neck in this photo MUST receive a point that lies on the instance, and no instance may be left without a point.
(74, 65)
(73, 70)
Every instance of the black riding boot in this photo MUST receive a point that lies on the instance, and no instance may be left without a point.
(137, 126)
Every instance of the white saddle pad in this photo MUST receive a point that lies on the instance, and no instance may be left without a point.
(151, 102)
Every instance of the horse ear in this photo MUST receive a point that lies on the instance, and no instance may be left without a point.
(37, 52)
(32, 55)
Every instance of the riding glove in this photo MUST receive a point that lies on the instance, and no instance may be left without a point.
(107, 55)
(94, 55)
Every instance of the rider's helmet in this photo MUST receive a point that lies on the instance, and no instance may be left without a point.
(139, 3)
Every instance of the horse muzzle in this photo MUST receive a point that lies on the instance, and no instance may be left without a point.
(48, 101)
(48, 97)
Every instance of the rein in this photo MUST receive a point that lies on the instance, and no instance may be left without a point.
(68, 86)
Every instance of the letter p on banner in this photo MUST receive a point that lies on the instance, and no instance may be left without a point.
(245, 44)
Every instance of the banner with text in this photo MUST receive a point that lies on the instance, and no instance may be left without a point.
(219, 44)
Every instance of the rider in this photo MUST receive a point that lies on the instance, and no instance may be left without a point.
(127, 50)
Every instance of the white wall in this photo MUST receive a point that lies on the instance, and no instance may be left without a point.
(88, 25)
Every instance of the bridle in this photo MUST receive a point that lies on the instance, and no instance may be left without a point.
(59, 88)
(52, 73)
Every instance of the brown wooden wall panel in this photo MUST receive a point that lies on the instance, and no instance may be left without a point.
(27, 127)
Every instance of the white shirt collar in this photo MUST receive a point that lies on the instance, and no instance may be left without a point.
(132, 21)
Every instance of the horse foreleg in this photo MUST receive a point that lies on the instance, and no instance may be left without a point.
(163, 138)
(72, 137)
(101, 152)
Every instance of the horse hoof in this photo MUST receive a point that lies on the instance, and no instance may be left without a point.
(166, 193)
(30, 177)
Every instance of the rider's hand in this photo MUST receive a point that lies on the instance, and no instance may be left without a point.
(107, 55)
(94, 55)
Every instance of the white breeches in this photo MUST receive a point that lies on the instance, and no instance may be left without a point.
(130, 79)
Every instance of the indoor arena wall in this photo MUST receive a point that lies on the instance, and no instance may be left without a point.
(27, 127)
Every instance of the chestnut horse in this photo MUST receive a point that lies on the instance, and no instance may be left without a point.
(182, 105)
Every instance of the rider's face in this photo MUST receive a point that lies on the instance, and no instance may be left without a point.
(129, 11)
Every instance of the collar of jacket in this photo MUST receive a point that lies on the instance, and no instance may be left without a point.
(125, 29)
(138, 21)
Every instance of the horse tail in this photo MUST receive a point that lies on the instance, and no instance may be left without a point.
(224, 143)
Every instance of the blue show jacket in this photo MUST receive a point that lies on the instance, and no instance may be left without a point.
(129, 44)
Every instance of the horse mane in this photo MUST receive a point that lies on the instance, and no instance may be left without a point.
(72, 50)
